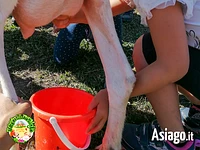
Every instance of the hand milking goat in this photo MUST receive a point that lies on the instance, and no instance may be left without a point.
(119, 76)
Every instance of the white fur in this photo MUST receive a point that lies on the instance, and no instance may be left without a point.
(119, 76)
(6, 7)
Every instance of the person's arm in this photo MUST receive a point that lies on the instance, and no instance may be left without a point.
(8, 109)
(118, 7)
(169, 37)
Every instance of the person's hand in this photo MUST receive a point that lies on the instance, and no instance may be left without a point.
(63, 21)
(100, 102)
(9, 109)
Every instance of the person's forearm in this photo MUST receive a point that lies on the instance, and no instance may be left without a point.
(119, 7)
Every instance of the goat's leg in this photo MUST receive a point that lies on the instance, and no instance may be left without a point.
(6, 83)
(119, 76)
(8, 108)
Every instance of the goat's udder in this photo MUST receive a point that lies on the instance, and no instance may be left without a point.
(27, 31)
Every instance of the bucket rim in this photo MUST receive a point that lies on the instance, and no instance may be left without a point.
(60, 118)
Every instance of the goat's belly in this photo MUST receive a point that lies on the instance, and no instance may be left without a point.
(38, 13)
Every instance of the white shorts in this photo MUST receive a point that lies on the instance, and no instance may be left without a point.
(144, 7)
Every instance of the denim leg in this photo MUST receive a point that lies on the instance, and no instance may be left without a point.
(118, 26)
(127, 16)
(68, 41)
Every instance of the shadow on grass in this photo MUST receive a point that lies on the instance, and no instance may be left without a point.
(35, 57)
(36, 53)
(25, 87)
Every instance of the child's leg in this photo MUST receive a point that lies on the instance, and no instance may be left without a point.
(164, 101)
(68, 41)
(127, 16)
(118, 26)
(165, 104)
(190, 83)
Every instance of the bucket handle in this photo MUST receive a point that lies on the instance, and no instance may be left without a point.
(64, 139)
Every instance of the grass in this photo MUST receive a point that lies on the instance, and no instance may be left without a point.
(32, 67)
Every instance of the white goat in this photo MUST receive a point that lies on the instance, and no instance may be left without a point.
(119, 76)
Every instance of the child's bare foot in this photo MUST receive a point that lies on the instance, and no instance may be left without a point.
(9, 109)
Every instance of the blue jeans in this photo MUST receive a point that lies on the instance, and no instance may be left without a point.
(68, 41)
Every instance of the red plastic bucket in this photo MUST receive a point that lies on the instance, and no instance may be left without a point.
(61, 118)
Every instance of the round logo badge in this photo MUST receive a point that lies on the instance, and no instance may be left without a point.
(21, 128)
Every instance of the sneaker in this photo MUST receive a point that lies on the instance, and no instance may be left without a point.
(138, 137)
(192, 121)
